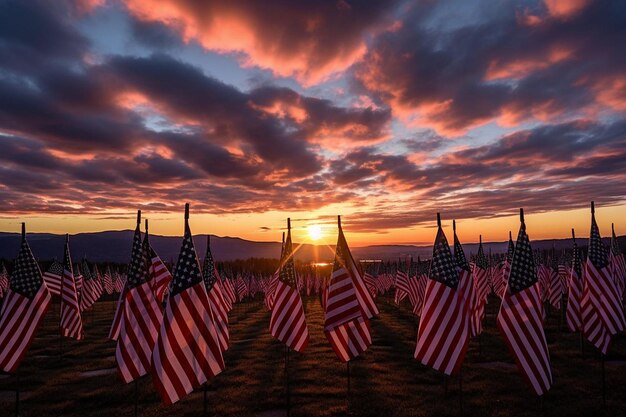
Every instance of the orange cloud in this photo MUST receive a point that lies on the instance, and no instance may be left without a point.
(565, 8)
(295, 44)
(522, 67)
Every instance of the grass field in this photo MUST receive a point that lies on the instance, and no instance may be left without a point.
(385, 381)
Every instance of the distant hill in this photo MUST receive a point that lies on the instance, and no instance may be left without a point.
(114, 246)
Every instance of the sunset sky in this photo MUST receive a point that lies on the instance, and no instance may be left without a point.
(254, 111)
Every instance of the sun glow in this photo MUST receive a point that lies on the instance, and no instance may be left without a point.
(315, 232)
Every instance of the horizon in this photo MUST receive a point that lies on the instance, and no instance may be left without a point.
(301, 234)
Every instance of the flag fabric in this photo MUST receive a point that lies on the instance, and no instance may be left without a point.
(97, 284)
(600, 294)
(108, 281)
(4, 280)
(78, 279)
(159, 276)
(500, 285)
(618, 264)
(402, 284)
(52, 277)
(187, 351)
(242, 288)
(71, 322)
(575, 282)
(421, 290)
(443, 332)
(288, 323)
(520, 318)
(216, 298)
(556, 290)
(480, 272)
(141, 317)
(370, 283)
(346, 324)
(24, 307)
(114, 332)
(229, 292)
(89, 294)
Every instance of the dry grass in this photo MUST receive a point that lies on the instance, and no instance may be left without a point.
(386, 380)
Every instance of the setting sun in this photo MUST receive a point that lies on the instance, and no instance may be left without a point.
(315, 232)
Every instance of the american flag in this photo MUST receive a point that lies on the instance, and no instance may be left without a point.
(71, 322)
(89, 295)
(24, 307)
(270, 291)
(216, 298)
(573, 314)
(481, 290)
(346, 323)
(402, 283)
(187, 351)
(500, 284)
(114, 332)
(414, 290)
(142, 315)
(520, 317)
(466, 281)
(618, 264)
(108, 281)
(443, 333)
(422, 281)
(99, 289)
(119, 282)
(52, 277)
(78, 278)
(229, 292)
(288, 323)
(556, 290)
(370, 283)
(159, 276)
(603, 313)
(4, 280)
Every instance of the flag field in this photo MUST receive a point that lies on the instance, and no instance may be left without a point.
(386, 380)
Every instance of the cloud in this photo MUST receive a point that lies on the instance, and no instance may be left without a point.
(496, 69)
(309, 40)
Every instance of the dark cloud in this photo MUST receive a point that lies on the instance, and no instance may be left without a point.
(36, 34)
(500, 68)
(307, 39)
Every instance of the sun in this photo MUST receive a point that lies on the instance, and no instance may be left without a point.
(315, 232)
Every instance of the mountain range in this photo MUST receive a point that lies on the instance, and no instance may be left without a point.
(115, 246)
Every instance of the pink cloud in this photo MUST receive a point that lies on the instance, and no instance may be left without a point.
(312, 43)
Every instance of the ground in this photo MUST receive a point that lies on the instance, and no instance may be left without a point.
(385, 381)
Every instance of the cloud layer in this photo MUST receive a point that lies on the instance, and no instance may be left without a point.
(392, 109)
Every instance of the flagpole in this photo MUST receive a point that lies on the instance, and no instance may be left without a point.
(580, 332)
(204, 404)
(17, 395)
(461, 390)
(136, 395)
(603, 383)
(287, 380)
(287, 349)
(67, 237)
